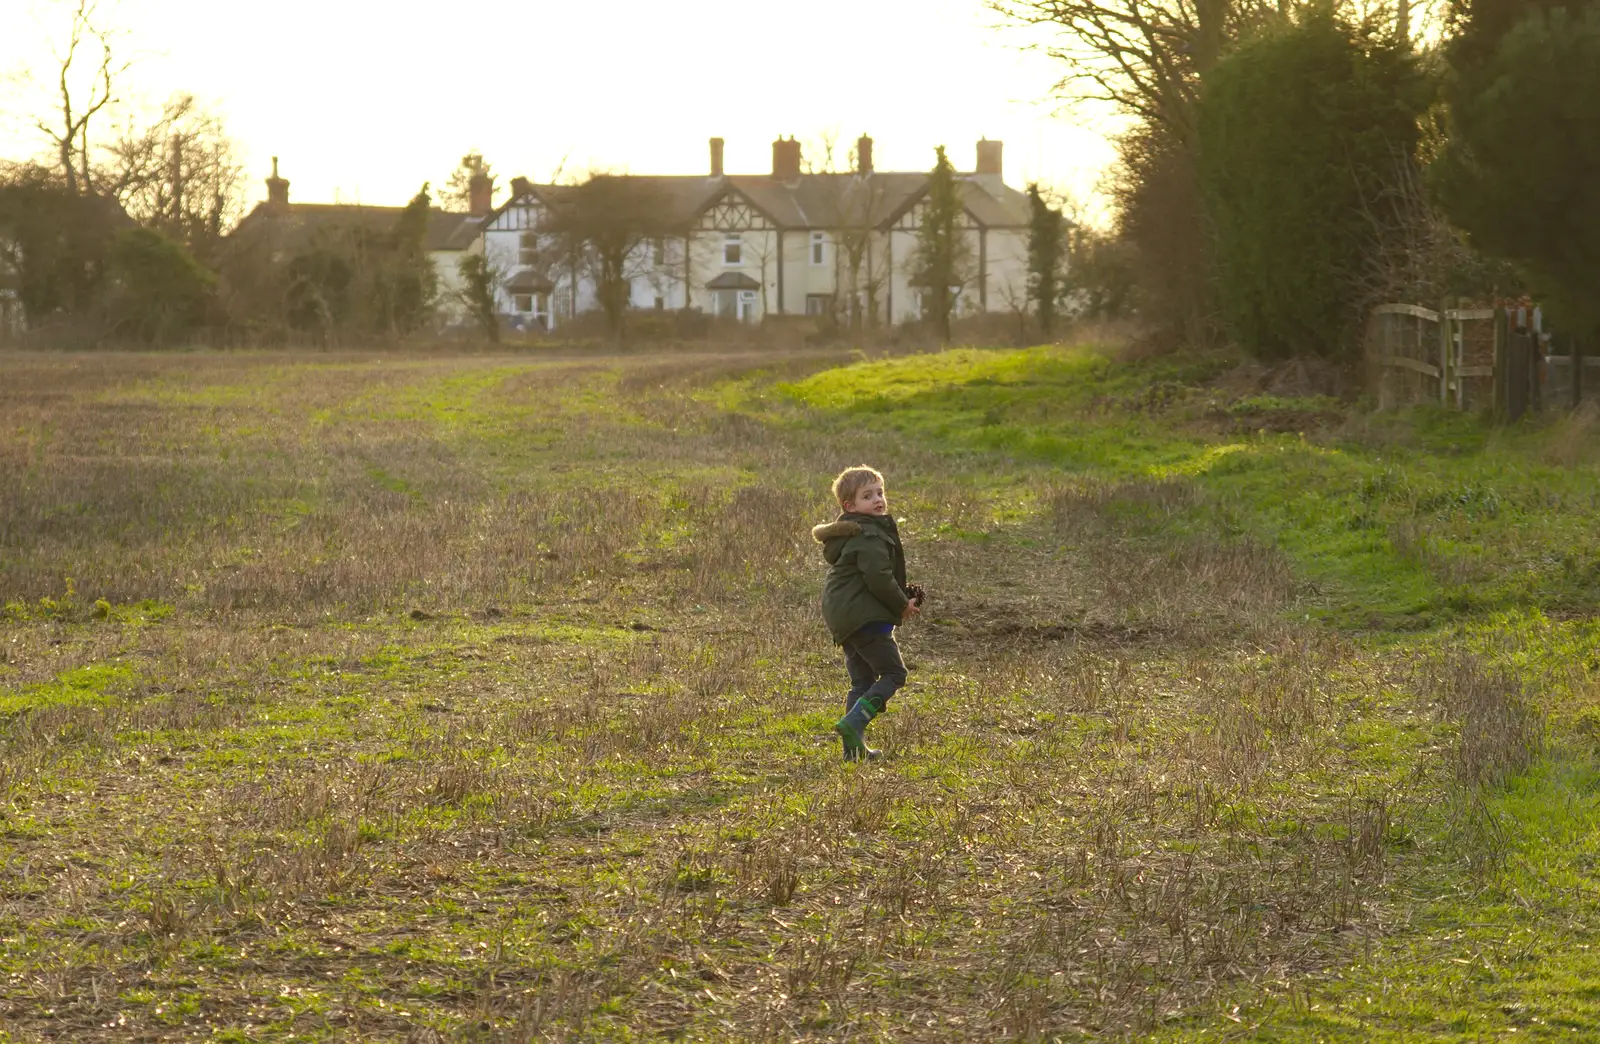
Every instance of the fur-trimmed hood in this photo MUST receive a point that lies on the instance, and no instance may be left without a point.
(833, 536)
(842, 527)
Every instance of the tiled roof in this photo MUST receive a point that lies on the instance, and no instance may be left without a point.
(529, 282)
(831, 200)
(733, 281)
(446, 231)
(820, 201)
(680, 197)
(452, 231)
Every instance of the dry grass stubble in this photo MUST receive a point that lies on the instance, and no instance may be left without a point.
(586, 788)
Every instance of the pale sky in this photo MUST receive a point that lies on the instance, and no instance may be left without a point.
(364, 101)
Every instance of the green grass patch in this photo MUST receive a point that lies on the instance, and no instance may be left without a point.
(94, 684)
(1454, 521)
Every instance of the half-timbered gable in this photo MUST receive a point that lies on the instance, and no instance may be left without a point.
(732, 211)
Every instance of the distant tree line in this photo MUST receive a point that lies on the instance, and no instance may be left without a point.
(122, 234)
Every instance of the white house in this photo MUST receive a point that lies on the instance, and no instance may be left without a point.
(784, 243)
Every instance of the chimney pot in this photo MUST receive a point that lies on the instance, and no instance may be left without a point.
(989, 157)
(716, 157)
(480, 195)
(480, 187)
(277, 190)
(786, 159)
(863, 155)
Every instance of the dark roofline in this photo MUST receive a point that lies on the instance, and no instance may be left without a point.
(729, 183)
(917, 196)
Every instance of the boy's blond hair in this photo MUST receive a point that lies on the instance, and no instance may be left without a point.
(851, 481)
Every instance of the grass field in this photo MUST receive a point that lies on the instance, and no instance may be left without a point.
(485, 699)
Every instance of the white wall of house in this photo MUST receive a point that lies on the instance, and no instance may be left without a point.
(814, 270)
(447, 272)
(903, 300)
(1007, 269)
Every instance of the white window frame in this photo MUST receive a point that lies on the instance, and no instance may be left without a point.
(524, 304)
(736, 241)
(819, 248)
(527, 249)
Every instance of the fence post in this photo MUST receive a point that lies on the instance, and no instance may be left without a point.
(1444, 353)
(1576, 354)
(1535, 365)
(1502, 330)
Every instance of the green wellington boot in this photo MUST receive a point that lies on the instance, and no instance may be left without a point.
(852, 729)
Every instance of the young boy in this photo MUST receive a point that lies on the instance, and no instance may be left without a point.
(865, 596)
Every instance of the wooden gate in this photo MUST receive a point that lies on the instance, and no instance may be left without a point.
(1423, 355)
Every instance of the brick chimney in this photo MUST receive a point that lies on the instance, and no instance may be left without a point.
(519, 187)
(716, 157)
(480, 194)
(863, 155)
(786, 159)
(480, 188)
(277, 190)
(989, 153)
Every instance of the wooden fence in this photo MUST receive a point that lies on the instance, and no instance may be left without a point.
(1494, 359)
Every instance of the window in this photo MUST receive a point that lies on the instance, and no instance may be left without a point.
(819, 304)
(529, 252)
(522, 304)
(818, 248)
(732, 251)
(658, 250)
(661, 303)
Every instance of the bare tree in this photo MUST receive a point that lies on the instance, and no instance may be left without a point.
(605, 226)
(1414, 255)
(764, 250)
(1145, 57)
(1020, 305)
(81, 97)
(179, 174)
(855, 204)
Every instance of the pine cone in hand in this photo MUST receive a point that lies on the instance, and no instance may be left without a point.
(916, 594)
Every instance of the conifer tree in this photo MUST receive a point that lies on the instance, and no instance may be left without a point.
(411, 284)
(1046, 245)
(1518, 170)
(476, 294)
(939, 265)
(1301, 130)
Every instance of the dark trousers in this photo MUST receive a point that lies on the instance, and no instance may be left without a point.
(876, 670)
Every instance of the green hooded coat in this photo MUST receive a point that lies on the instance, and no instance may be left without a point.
(867, 575)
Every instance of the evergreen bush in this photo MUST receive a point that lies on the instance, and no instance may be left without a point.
(1302, 131)
(1518, 171)
(160, 293)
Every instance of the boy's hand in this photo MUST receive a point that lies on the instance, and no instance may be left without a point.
(912, 609)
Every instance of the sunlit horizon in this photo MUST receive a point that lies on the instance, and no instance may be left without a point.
(363, 103)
